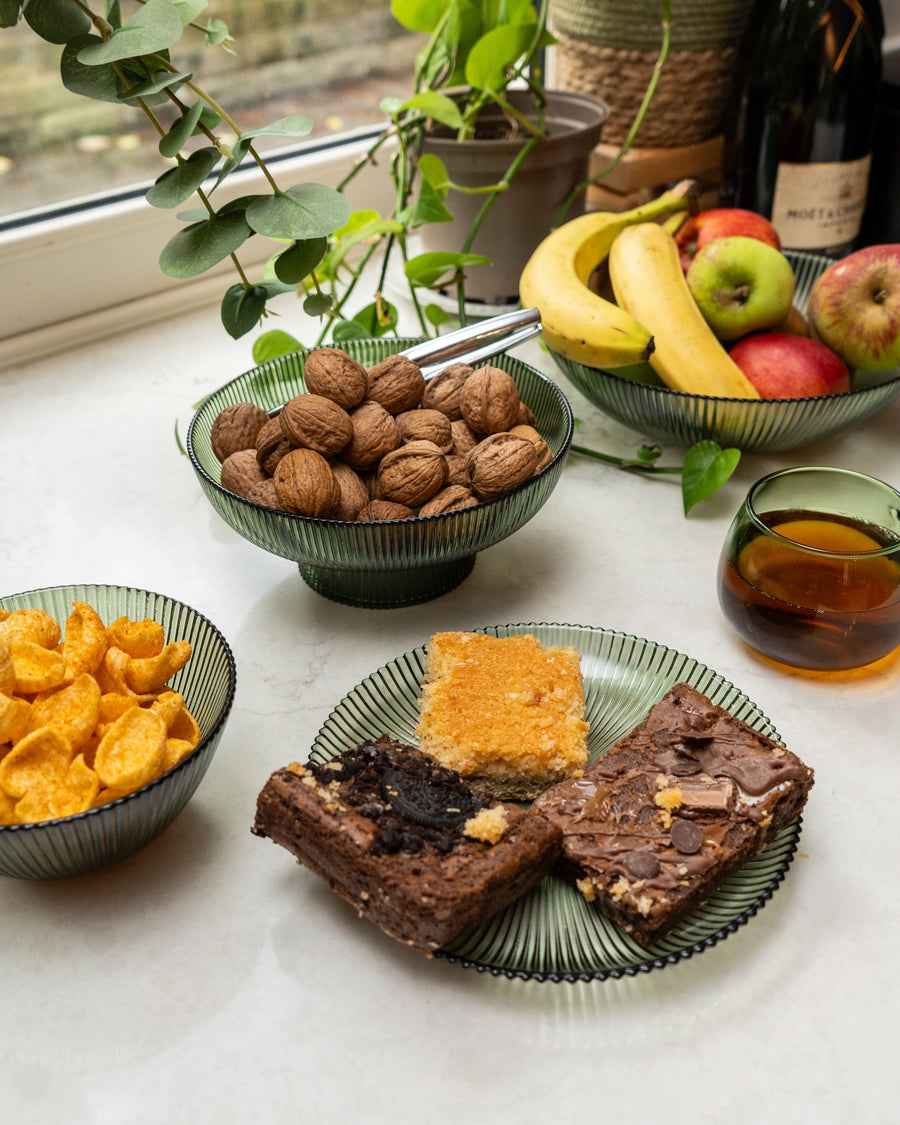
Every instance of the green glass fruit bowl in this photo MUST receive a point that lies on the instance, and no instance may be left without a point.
(108, 833)
(760, 425)
(383, 563)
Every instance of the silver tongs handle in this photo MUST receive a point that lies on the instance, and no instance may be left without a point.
(475, 341)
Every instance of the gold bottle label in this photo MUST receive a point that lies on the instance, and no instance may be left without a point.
(820, 205)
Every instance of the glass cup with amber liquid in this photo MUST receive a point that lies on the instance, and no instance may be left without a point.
(810, 572)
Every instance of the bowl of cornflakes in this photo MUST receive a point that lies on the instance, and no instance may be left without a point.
(113, 701)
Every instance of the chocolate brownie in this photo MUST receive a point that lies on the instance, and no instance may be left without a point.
(409, 843)
(673, 809)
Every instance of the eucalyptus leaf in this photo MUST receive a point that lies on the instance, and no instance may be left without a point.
(181, 131)
(300, 212)
(155, 26)
(317, 304)
(179, 183)
(161, 80)
(98, 82)
(242, 308)
(706, 467)
(57, 21)
(274, 343)
(198, 248)
(216, 33)
(10, 11)
(188, 10)
(300, 259)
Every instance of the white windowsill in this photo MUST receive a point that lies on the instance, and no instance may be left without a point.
(80, 277)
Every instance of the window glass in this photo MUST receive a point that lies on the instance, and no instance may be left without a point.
(331, 60)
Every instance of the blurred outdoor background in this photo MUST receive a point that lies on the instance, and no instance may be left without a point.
(332, 60)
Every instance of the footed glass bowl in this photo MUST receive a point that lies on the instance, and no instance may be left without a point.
(384, 563)
(74, 845)
(763, 425)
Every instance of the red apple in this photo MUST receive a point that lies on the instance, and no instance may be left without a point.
(781, 365)
(854, 308)
(721, 222)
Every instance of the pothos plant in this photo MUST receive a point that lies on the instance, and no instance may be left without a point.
(474, 50)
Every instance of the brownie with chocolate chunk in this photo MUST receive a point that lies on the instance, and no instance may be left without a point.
(405, 840)
(675, 807)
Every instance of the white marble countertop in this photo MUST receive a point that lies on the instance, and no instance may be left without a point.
(210, 979)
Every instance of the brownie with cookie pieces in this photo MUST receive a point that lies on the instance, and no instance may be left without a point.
(661, 820)
(405, 840)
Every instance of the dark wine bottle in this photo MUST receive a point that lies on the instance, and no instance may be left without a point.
(805, 118)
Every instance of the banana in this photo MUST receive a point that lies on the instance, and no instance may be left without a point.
(648, 280)
(575, 321)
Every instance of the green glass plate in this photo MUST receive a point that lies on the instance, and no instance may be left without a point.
(552, 934)
(383, 563)
(764, 425)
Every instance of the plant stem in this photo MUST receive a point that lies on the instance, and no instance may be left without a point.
(627, 464)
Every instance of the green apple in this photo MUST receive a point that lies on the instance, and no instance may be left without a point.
(741, 285)
(854, 308)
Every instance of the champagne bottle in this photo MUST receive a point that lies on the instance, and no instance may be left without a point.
(805, 118)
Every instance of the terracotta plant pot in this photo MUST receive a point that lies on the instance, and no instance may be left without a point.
(530, 207)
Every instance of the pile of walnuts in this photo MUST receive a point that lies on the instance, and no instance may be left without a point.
(381, 443)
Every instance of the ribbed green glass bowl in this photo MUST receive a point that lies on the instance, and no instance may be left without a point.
(75, 845)
(761, 425)
(384, 563)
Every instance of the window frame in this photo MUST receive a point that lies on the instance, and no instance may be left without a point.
(89, 268)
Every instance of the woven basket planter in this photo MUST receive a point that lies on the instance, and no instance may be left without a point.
(609, 48)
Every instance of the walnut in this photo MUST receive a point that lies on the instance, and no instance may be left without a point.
(315, 422)
(526, 416)
(456, 469)
(464, 439)
(384, 510)
(306, 485)
(240, 471)
(544, 452)
(375, 433)
(412, 474)
(354, 494)
(271, 445)
(500, 463)
(443, 390)
(426, 425)
(264, 493)
(235, 427)
(397, 383)
(489, 401)
(449, 499)
(337, 376)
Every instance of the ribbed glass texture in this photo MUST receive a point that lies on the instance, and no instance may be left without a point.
(552, 933)
(762, 425)
(75, 845)
(382, 563)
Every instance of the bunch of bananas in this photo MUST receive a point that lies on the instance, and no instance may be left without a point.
(653, 316)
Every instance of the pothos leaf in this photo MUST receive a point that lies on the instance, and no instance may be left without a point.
(378, 318)
(272, 344)
(706, 467)
(430, 207)
(435, 266)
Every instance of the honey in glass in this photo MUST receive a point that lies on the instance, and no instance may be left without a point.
(811, 587)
